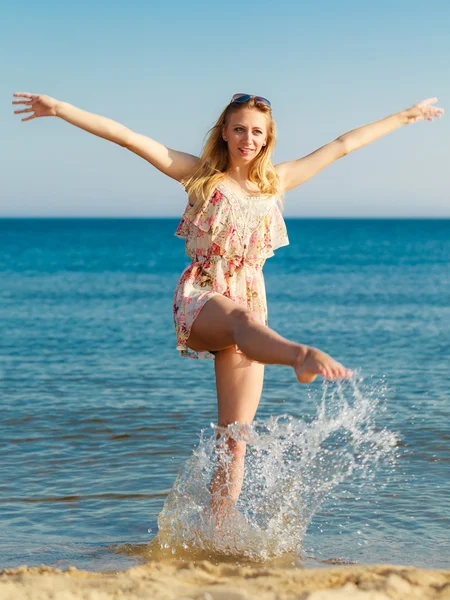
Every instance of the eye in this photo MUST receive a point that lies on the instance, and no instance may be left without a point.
(258, 131)
(238, 129)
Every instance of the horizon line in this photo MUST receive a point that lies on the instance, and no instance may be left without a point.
(158, 217)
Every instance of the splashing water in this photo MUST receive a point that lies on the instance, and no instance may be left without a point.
(291, 467)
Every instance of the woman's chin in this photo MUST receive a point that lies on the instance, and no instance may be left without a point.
(245, 158)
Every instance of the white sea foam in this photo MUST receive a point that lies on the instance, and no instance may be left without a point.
(291, 467)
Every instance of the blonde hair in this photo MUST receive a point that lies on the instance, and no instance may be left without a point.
(214, 160)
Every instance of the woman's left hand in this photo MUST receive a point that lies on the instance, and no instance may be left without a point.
(423, 111)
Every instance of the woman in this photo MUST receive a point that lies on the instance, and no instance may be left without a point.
(231, 224)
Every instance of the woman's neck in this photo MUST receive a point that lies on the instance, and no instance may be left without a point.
(239, 174)
(242, 186)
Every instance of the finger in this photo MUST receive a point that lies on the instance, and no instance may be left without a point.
(22, 101)
(428, 101)
(29, 118)
(25, 110)
(433, 111)
(25, 94)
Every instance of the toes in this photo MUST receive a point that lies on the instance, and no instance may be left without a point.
(337, 372)
(329, 374)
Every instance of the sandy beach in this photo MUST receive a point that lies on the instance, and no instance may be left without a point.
(201, 580)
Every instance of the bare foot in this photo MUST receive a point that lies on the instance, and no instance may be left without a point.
(315, 362)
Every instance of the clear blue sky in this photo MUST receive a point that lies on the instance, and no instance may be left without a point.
(167, 70)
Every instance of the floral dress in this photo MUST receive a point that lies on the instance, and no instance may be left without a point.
(228, 240)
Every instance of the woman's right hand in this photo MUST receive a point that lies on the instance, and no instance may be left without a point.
(41, 106)
(317, 363)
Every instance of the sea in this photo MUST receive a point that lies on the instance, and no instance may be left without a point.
(108, 437)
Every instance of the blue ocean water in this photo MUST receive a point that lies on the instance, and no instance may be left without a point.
(98, 411)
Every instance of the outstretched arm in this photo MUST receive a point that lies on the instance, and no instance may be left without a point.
(296, 172)
(171, 162)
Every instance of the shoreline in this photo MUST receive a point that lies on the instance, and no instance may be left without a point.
(169, 579)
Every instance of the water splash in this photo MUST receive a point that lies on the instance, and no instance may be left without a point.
(291, 467)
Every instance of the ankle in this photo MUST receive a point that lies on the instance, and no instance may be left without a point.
(300, 354)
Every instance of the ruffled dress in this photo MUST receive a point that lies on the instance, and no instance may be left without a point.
(228, 241)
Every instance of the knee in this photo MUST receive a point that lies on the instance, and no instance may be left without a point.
(246, 317)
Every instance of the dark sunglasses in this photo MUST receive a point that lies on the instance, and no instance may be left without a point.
(247, 97)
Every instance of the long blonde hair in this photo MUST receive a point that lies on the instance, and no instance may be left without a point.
(214, 160)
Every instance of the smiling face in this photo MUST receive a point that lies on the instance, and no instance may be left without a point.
(246, 133)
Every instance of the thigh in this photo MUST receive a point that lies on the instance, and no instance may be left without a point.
(239, 383)
(214, 325)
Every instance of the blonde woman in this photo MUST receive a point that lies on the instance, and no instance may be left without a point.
(232, 223)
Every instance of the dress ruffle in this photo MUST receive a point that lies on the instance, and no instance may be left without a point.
(213, 218)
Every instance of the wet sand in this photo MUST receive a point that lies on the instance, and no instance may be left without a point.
(202, 580)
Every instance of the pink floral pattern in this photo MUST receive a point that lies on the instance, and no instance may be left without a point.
(228, 241)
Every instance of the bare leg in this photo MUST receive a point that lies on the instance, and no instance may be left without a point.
(222, 323)
(239, 384)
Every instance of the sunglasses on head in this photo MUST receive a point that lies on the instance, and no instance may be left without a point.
(247, 97)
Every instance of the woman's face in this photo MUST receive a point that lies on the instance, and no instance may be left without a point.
(245, 132)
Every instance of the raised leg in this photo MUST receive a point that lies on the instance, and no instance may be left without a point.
(239, 383)
(222, 324)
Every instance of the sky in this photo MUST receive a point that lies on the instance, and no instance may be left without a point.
(167, 70)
